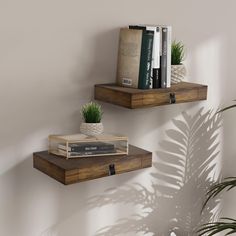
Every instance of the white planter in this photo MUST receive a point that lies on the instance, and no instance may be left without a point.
(178, 73)
(91, 129)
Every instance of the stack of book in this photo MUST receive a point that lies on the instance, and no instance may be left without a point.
(144, 57)
(85, 149)
(80, 145)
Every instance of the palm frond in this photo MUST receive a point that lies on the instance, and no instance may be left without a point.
(184, 165)
(219, 226)
(227, 108)
(227, 183)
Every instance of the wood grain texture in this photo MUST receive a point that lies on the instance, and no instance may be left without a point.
(88, 168)
(137, 98)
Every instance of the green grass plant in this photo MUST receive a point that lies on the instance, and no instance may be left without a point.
(91, 112)
(177, 53)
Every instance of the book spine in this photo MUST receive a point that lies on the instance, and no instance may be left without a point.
(88, 148)
(164, 58)
(156, 77)
(92, 148)
(156, 71)
(146, 60)
(169, 33)
(91, 153)
(82, 149)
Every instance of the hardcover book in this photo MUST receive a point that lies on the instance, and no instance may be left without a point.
(146, 60)
(86, 153)
(169, 36)
(80, 145)
(129, 54)
(155, 71)
(166, 56)
(84, 147)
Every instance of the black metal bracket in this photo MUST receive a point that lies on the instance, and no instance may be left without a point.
(112, 170)
(172, 98)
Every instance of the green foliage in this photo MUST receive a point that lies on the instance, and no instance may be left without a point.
(177, 53)
(229, 224)
(92, 113)
(219, 226)
(228, 107)
(227, 183)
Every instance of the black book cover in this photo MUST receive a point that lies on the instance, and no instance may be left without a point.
(84, 147)
(156, 77)
(86, 153)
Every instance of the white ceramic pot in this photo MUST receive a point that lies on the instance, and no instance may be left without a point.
(91, 129)
(178, 73)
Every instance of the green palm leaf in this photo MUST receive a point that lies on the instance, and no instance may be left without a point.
(226, 184)
(224, 223)
(228, 107)
(216, 227)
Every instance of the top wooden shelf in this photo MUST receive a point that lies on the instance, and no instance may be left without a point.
(139, 98)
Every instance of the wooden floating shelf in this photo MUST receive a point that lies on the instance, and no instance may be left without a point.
(87, 168)
(138, 98)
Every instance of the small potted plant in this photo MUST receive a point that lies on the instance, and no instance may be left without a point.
(178, 70)
(92, 115)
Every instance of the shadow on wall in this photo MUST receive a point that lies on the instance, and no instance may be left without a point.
(183, 172)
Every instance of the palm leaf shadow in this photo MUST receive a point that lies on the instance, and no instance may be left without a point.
(184, 170)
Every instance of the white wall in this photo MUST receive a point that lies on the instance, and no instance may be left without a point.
(51, 54)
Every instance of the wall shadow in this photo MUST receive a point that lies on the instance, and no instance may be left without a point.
(28, 189)
(185, 169)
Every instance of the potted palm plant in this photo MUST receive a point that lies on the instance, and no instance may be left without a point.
(92, 115)
(178, 70)
(225, 223)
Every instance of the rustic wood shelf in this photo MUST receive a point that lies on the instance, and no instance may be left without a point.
(88, 168)
(138, 98)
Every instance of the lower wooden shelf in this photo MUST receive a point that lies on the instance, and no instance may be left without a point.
(88, 168)
(139, 98)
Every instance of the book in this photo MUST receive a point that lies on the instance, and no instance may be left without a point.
(155, 71)
(80, 145)
(165, 56)
(83, 147)
(146, 60)
(135, 58)
(129, 54)
(85, 153)
(169, 42)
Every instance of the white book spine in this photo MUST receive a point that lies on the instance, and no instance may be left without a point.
(160, 44)
(153, 47)
(155, 50)
(152, 28)
(168, 77)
